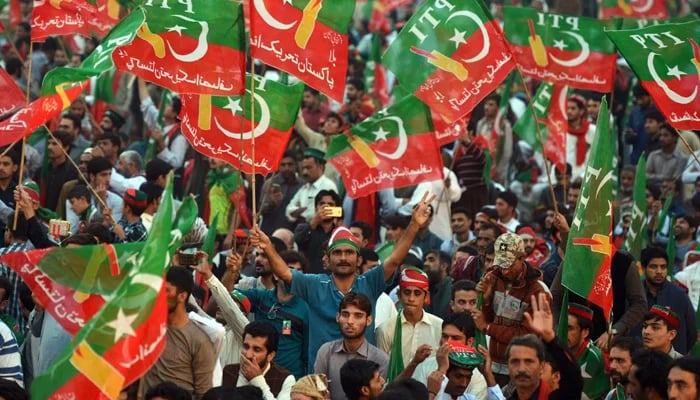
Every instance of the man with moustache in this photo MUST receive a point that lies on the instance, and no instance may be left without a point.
(311, 237)
(301, 206)
(354, 317)
(437, 266)
(621, 350)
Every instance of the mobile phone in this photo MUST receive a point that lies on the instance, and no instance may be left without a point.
(189, 256)
(336, 212)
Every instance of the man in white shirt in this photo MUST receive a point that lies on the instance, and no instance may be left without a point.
(129, 174)
(506, 204)
(302, 208)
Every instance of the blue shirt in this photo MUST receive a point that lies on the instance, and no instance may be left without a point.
(292, 351)
(323, 297)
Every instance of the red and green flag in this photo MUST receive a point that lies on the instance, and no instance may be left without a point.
(639, 23)
(106, 85)
(666, 59)
(589, 250)
(394, 148)
(566, 50)
(636, 237)
(633, 9)
(306, 38)
(450, 56)
(549, 105)
(375, 11)
(222, 127)
(375, 72)
(448, 132)
(125, 338)
(189, 47)
(60, 17)
(105, 16)
(13, 98)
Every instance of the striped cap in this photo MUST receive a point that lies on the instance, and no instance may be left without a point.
(581, 311)
(667, 314)
(342, 236)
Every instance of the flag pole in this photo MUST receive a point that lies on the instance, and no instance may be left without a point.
(687, 146)
(24, 139)
(539, 137)
(252, 142)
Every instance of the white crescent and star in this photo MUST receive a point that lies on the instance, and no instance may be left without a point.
(578, 60)
(202, 45)
(260, 128)
(403, 139)
(269, 19)
(646, 7)
(458, 38)
(380, 134)
(487, 42)
(672, 95)
(122, 324)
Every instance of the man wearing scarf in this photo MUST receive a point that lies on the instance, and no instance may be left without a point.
(588, 356)
(580, 135)
(226, 194)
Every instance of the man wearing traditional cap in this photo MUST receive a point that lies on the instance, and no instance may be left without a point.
(324, 292)
(457, 362)
(301, 206)
(580, 135)
(130, 228)
(507, 290)
(589, 357)
(111, 122)
(535, 247)
(311, 387)
(659, 328)
(417, 327)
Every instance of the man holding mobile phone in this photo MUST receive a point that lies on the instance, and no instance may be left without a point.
(311, 238)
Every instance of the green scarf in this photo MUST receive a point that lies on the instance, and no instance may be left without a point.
(396, 365)
(226, 178)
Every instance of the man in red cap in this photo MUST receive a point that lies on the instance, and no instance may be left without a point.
(589, 357)
(535, 247)
(417, 327)
(659, 328)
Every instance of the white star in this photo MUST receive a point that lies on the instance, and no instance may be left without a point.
(176, 28)
(458, 38)
(380, 134)
(675, 72)
(122, 325)
(234, 105)
(559, 44)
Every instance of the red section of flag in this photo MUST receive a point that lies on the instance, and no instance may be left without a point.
(104, 18)
(445, 132)
(13, 97)
(677, 99)
(635, 9)
(61, 17)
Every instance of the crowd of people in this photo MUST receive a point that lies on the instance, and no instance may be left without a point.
(447, 290)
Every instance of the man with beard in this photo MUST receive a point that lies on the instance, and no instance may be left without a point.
(188, 358)
(311, 237)
(354, 317)
(361, 380)
(111, 122)
(301, 206)
(579, 137)
(621, 351)
(659, 291)
(666, 162)
(461, 223)
(589, 357)
(280, 188)
(535, 247)
(683, 378)
(130, 172)
(60, 170)
(323, 293)
(70, 124)
(473, 267)
(684, 234)
(359, 105)
(110, 145)
(437, 264)
(260, 342)
(503, 132)
(416, 326)
(647, 376)
(312, 109)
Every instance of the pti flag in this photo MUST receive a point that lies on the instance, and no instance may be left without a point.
(396, 147)
(222, 127)
(589, 249)
(549, 104)
(666, 59)
(636, 237)
(566, 50)
(105, 17)
(13, 97)
(633, 9)
(189, 47)
(375, 72)
(125, 338)
(448, 132)
(450, 55)
(306, 38)
(60, 17)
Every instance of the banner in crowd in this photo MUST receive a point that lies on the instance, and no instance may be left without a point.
(306, 38)
(549, 105)
(222, 127)
(633, 9)
(589, 250)
(12, 97)
(106, 16)
(396, 147)
(566, 50)
(450, 56)
(125, 338)
(60, 18)
(666, 59)
(189, 47)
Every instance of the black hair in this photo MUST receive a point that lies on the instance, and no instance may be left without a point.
(463, 321)
(97, 165)
(153, 191)
(654, 114)
(357, 82)
(358, 300)
(181, 278)
(405, 389)
(65, 138)
(638, 90)
(395, 221)
(463, 284)
(461, 210)
(509, 197)
(25, 296)
(74, 119)
(691, 220)
(652, 252)
(7, 285)
(21, 230)
(115, 139)
(13, 66)
(330, 193)
(355, 374)
(293, 256)
(157, 168)
(100, 232)
(168, 390)
(689, 364)
(80, 239)
(530, 341)
(364, 227)
(79, 191)
(265, 330)
(225, 393)
(652, 369)
(627, 343)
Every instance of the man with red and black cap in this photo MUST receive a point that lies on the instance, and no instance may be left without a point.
(536, 249)
(588, 356)
(659, 328)
(580, 135)
(507, 290)
(417, 326)
(130, 228)
(324, 292)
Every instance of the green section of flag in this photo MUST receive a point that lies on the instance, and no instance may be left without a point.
(210, 240)
(525, 126)
(671, 250)
(671, 49)
(413, 114)
(396, 365)
(335, 14)
(589, 250)
(374, 59)
(100, 60)
(104, 88)
(663, 215)
(639, 23)
(575, 33)
(636, 235)
(563, 328)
